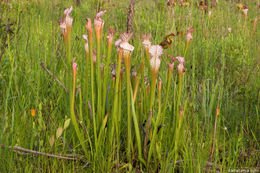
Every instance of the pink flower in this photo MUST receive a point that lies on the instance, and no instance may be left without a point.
(99, 23)
(100, 14)
(171, 66)
(156, 52)
(124, 45)
(171, 57)
(68, 11)
(68, 19)
(245, 10)
(74, 67)
(180, 59)
(181, 68)
(63, 27)
(189, 34)
(117, 42)
(66, 23)
(86, 44)
(110, 36)
(146, 40)
(125, 36)
(155, 64)
(88, 25)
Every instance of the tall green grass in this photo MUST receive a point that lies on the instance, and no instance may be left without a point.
(104, 123)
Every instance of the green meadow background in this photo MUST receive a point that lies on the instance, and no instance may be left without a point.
(222, 73)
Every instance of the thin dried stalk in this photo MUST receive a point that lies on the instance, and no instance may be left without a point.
(18, 149)
(130, 16)
(214, 138)
(54, 77)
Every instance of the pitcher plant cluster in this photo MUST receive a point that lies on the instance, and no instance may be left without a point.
(99, 110)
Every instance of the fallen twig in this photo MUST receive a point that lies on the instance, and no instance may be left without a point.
(55, 78)
(22, 151)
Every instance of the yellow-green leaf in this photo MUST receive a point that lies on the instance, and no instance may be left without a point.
(51, 140)
(67, 123)
(59, 132)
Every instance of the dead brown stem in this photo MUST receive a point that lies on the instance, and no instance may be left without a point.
(130, 16)
(21, 151)
(214, 138)
(54, 77)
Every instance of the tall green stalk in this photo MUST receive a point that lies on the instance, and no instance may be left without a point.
(137, 131)
(140, 73)
(160, 115)
(152, 89)
(169, 78)
(179, 120)
(99, 87)
(127, 62)
(152, 95)
(72, 110)
(178, 96)
(90, 36)
(118, 127)
(147, 59)
(87, 80)
(116, 106)
(109, 49)
(80, 106)
(155, 130)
